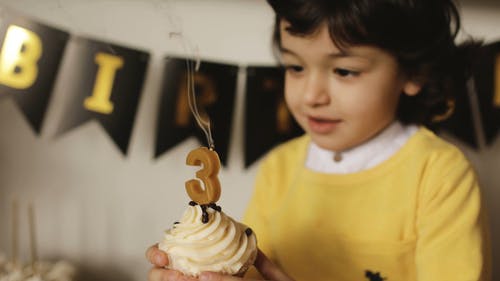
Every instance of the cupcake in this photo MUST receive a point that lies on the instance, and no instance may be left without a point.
(206, 239)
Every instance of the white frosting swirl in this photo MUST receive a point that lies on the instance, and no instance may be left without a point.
(220, 245)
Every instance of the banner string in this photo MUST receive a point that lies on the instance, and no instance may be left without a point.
(70, 19)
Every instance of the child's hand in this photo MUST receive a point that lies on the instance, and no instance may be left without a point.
(158, 273)
(159, 259)
(156, 256)
(266, 268)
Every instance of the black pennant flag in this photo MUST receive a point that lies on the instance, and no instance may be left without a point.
(215, 89)
(487, 83)
(461, 123)
(267, 119)
(106, 85)
(30, 56)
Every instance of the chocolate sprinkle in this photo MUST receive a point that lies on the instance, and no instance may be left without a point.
(215, 207)
(248, 231)
(204, 216)
(176, 222)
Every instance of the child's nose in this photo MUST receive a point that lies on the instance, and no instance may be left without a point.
(316, 91)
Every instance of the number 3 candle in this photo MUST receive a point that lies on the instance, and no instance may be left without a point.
(208, 175)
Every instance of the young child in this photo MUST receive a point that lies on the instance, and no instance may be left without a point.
(368, 193)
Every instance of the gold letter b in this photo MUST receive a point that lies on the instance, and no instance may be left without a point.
(21, 51)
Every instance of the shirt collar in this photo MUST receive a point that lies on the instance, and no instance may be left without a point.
(364, 156)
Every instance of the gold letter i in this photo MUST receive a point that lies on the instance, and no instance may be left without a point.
(100, 99)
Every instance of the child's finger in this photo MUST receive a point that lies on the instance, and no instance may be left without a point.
(269, 270)
(212, 276)
(156, 256)
(160, 274)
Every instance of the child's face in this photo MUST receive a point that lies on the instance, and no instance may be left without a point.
(341, 99)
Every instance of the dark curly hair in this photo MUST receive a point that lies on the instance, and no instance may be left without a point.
(419, 33)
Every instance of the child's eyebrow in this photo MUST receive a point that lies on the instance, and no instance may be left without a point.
(333, 55)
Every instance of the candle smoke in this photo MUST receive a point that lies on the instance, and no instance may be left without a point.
(193, 66)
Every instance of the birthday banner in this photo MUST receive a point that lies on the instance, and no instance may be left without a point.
(29, 60)
(106, 86)
(487, 84)
(106, 81)
(267, 119)
(215, 89)
(461, 122)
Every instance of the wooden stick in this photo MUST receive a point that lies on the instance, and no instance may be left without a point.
(15, 232)
(33, 246)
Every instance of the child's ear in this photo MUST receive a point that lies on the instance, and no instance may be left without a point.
(412, 88)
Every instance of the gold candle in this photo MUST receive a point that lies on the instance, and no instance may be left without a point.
(208, 175)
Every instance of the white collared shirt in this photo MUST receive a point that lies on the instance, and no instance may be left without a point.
(364, 156)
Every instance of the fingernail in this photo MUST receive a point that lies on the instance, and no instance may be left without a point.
(159, 259)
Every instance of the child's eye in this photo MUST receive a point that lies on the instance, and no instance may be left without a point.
(342, 72)
(293, 68)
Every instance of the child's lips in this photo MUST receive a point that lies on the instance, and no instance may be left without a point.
(322, 125)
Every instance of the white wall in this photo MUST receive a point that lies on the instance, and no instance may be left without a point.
(101, 210)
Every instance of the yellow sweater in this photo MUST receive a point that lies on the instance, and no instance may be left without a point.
(416, 216)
